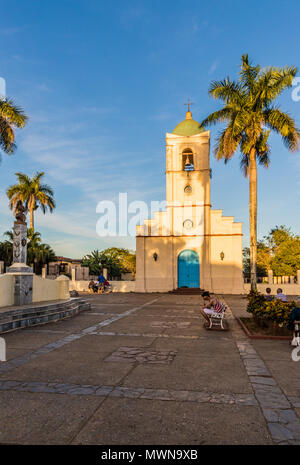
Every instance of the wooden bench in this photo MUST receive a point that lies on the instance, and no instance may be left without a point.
(216, 318)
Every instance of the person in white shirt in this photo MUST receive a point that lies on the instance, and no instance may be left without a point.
(280, 295)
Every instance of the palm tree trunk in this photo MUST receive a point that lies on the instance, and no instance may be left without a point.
(31, 219)
(253, 217)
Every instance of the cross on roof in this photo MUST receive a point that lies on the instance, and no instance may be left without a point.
(189, 103)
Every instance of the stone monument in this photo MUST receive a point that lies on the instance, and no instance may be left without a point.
(23, 274)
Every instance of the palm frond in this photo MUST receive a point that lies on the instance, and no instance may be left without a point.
(273, 81)
(217, 116)
(226, 144)
(7, 136)
(284, 125)
(12, 113)
(227, 90)
(244, 165)
(248, 74)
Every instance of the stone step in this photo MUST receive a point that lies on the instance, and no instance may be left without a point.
(62, 310)
(187, 291)
(20, 313)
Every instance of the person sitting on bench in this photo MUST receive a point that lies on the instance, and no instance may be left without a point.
(280, 295)
(91, 285)
(269, 297)
(210, 306)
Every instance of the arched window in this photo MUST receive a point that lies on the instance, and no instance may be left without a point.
(187, 160)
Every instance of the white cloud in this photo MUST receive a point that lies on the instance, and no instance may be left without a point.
(8, 31)
(65, 223)
(213, 67)
(43, 87)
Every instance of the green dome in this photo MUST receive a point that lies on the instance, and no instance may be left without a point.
(188, 127)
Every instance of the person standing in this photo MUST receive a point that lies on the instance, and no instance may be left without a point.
(101, 281)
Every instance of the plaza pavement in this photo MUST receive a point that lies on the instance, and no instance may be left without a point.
(141, 369)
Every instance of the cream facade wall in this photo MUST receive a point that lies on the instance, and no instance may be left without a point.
(226, 238)
(189, 223)
(6, 290)
(48, 289)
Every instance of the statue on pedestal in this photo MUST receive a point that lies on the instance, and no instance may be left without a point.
(23, 274)
(20, 213)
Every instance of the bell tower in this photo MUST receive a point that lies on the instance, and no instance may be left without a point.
(189, 244)
(188, 177)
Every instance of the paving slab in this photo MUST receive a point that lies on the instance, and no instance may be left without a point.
(122, 298)
(165, 423)
(287, 375)
(172, 310)
(29, 339)
(13, 353)
(131, 324)
(187, 300)
(71, 366)
(73, 325)
(213, 374)
(162, 378)
(105, 345)
(35, 418)
(274, 350)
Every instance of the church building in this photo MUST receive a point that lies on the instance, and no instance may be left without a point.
(189, 245)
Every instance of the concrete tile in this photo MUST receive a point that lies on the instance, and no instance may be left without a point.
(144, 421)
(35, 418)
(71, 367)
(286, 375)
(214, 374)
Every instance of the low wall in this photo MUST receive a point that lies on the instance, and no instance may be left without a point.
(46, 289)
(117, 286)
(6, 290)
(288, 289)
(130, 286)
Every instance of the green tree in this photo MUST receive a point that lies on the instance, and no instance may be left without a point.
(278, 236)
(116, 260)
(250, 114)
(263, 260)
(32, 193)
(6, 253)
(286, 260)
(11, 117)
(278, 251)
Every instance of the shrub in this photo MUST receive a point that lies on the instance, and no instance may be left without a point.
(264, 311)
(256, 301)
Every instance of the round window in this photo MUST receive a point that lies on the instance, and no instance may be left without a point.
(188, 224)
(188, 189)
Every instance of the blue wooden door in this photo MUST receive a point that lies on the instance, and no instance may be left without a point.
(188, 269)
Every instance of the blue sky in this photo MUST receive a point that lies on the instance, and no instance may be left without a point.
(102, 82)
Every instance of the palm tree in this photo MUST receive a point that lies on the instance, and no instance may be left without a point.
(6, 253)
(33, 246)
(38, 253)
(32, 193)
(250, 115)
(44, 256)
(11, 117)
